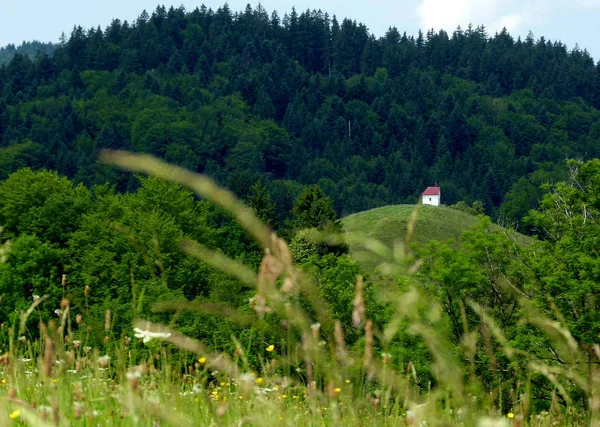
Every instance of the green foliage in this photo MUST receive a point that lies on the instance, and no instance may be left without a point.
(569, 263)
(307, 243)
(312, 209)
(30, 49)
(475, 209)
(42, 204)
(371, 120)
(32, 269)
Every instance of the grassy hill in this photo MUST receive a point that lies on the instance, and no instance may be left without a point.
(388, 225)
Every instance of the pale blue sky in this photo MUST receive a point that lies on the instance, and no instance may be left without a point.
(571, 21)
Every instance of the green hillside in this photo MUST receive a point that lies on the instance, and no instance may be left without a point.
(388, 225)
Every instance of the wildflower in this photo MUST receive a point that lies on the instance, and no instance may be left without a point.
(15, 414)
(103, 361)
(347, 381)
(134, 374)
(259, 380)
(358, 315)
(149, 335)
(315, 326)
(133, 378)
(76, 343)
(510, 415)
(270, 348)
(36, 297)
(337, 390)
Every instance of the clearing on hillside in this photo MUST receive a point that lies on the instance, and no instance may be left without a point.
(388, 225)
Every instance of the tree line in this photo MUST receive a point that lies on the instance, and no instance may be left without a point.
(305, 99)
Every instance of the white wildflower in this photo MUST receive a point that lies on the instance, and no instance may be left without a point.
(133, 375)
(149, 335)
(492, 422)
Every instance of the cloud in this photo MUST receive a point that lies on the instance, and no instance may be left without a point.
(511, 22)
(515, 15)
(494, 14)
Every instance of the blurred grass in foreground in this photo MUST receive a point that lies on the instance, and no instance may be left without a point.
(157, 377)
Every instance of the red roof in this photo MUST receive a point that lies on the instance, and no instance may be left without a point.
(432, 191)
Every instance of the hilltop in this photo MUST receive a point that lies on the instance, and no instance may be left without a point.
(388, 225)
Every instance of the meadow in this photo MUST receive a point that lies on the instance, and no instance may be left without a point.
(55, 372)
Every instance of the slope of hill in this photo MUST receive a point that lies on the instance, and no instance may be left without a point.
(389, 224)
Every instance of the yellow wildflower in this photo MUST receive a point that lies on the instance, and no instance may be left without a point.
(510, 415)
(337, 390)
(259, 380)
(347, 381)
(15, 414)
(270, 348)
(202, 360)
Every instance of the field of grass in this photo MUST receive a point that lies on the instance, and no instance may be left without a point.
(388, 225)
(60, 374)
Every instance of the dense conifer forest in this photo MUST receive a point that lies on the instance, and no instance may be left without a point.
(306, 99)
(30, 49)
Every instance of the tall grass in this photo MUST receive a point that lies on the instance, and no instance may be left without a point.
(157, 376)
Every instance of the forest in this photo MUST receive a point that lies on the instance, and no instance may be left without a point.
(304, 99)
(29, 49)
(306, 119)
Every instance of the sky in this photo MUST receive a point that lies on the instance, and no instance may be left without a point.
(570, 21)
